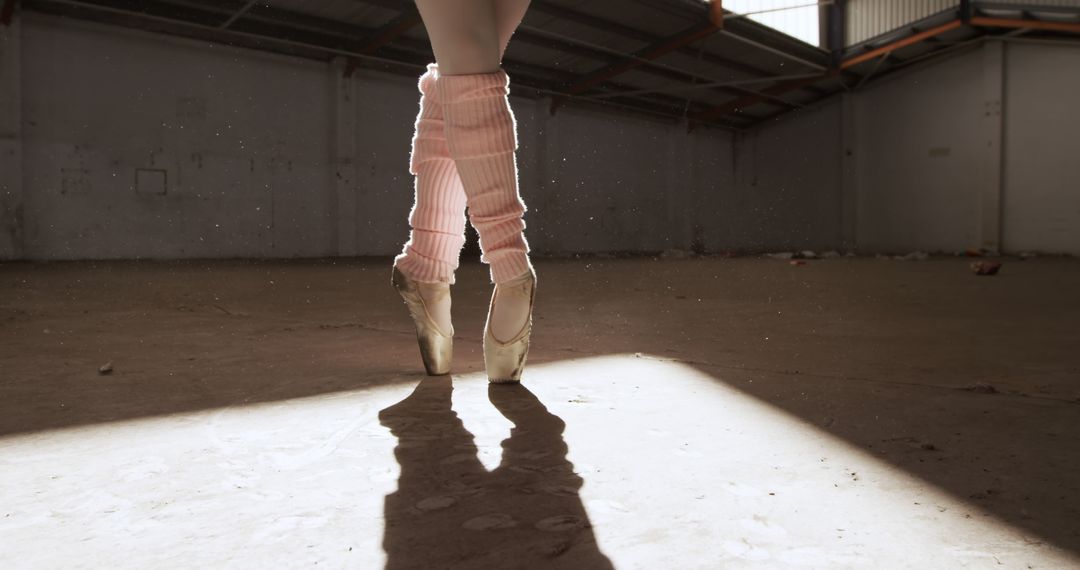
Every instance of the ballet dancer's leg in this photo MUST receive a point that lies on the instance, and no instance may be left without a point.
(437, 220)
(480, 126)
(469, 38)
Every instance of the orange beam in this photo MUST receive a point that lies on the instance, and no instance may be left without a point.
(1031, 24)
(716, 13)
(784, 87)
(781, 88)
(901, 43)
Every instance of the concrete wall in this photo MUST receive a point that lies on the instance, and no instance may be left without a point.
(265, 155)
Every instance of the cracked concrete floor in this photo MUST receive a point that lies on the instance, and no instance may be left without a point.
(692, 413)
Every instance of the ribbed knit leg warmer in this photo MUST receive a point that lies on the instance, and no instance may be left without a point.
(437, 219)
(481, 135)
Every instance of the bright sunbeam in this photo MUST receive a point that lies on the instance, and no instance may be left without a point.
(680, 470)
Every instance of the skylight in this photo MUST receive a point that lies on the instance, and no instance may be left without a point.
(796, 18)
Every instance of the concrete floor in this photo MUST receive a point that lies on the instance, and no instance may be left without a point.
(693, 413)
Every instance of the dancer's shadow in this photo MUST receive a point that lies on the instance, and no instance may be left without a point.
(451, 512)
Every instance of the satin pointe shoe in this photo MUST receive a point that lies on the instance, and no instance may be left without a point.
(436, 345)
(505, 359)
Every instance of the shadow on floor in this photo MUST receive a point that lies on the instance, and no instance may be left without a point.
(450, 511)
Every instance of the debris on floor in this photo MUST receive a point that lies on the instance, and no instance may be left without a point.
(808, 254)
(985, 267)
(979, 252)
(915, 256)
(674, 253)
(784, 255)
(797, 262)
(981, 388)
(106, 368)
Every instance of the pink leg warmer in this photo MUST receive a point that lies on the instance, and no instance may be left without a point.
(438, 215)
(481, 135)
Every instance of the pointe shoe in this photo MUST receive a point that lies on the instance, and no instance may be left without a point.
(436, 346)
(505, 360)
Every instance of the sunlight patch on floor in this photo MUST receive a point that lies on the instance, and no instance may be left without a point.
(680, 471)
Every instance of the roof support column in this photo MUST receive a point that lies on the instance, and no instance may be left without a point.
(832, 18)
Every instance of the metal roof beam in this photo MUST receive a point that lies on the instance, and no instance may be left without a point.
(712, 12)
(893, 46)
(311, 45)
(625, 31)
(236, 15)
(389, 32)
(750, 100)
(1071, 27)
(650, 52)
(546, 39)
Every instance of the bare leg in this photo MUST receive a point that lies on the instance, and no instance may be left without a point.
(470, 36)
(463, 35)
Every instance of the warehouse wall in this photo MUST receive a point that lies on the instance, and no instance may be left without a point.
(1042, 171)
(138, 146)
(788, 183)
(936, 147)
(141, 145)
(867, 19)
(11, 185)
(918, 157)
